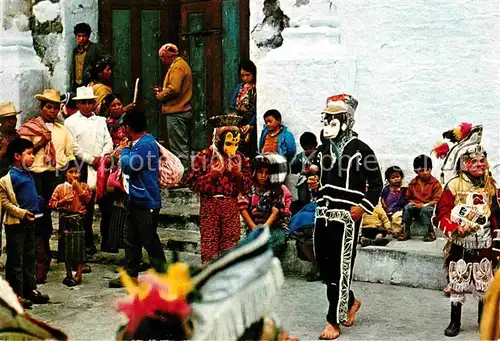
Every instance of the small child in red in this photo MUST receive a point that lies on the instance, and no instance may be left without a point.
(220, 174)
(71, 198)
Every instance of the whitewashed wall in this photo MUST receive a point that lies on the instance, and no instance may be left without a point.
(421, 67)
(23, 73)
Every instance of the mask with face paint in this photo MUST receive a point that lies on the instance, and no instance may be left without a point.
(231, 142)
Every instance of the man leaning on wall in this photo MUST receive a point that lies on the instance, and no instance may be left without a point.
(175, 96)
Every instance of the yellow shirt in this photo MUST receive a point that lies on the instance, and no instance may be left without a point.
(376, 220)
(79, 61)
(177, 88)
(63, 144)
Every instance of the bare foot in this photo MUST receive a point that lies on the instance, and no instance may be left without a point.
(351, 314)
(331, 332)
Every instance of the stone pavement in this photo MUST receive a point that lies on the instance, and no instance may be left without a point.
(388, 312)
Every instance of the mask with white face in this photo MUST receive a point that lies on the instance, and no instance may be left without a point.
(333, 126)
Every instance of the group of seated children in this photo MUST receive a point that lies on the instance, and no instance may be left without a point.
(399, 206)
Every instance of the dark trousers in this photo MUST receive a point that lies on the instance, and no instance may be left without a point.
(424, 216)
(141, 231)
(179, 132)
(105, 207)
(45, 182)
(20, 266)
(105, 203)
(335, 240)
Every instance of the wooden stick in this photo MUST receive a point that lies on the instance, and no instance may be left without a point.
(136, 90)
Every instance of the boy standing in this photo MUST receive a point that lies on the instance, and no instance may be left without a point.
(20, 201)
(275, 137)
(423, 193)
(141, 162)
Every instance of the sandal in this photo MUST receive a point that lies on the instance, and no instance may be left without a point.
(69, 282)
(86, 269)
(430, 237)
(403, 237)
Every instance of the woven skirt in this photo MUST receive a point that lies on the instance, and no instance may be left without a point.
(71, 247)
(117, 221)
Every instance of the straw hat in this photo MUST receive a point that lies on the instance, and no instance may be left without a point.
(49, 95)
(8, 110)
(84, 92)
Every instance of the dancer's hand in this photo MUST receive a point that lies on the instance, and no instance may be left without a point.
(313, 182)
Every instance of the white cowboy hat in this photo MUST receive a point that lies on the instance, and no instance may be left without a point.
(84, 92)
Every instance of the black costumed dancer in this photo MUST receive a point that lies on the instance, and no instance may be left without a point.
(348, 184)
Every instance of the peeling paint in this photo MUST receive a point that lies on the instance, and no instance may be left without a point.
(267, 34)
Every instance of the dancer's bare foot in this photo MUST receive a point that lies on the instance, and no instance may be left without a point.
(351, 314)
(331, 332)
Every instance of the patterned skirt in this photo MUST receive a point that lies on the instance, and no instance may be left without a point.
(117, 221)
(71, 246)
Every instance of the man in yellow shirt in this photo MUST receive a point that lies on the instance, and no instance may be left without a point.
(86, 55)
(175, 96)
(53, 148)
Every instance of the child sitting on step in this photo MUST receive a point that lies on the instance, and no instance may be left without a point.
(423, 193)
(70, 199)
(374, 228)
(393, 199)
(269, 200)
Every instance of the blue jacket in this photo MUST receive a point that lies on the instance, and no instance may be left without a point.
(286, 142)
(141, 163)
(233, 103)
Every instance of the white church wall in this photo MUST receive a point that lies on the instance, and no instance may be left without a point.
(420, 68)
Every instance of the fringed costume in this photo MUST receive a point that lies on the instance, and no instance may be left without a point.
(229, 299)
(220, 174)
(467, 215)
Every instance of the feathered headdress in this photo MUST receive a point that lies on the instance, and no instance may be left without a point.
(458, 142)
(165, 293)
(233, 292)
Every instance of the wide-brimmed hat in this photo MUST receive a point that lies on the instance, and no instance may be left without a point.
(8, 110)
(49, 95)
(84, 92)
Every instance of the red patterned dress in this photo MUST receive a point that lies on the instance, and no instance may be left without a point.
(219, 192)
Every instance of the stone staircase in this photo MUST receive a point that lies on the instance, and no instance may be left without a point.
(412, 263)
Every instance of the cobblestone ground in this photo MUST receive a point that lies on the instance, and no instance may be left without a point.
(87, 312)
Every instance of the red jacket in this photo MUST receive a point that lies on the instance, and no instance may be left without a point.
(424, 192)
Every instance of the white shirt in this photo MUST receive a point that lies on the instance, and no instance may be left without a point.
(90, 139)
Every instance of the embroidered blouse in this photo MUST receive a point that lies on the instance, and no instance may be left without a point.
(259, 201)
(64, 192)
(201, 180)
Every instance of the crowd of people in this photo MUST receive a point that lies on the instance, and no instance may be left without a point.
(87, 148)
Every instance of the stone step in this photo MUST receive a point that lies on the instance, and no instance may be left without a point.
(178, 197)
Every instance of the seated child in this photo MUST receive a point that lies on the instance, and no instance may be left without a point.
(423, 193)
(393, 199)
(275, 137)
(301, 165)
(269, 200)
(374, 228)
(70, 199)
